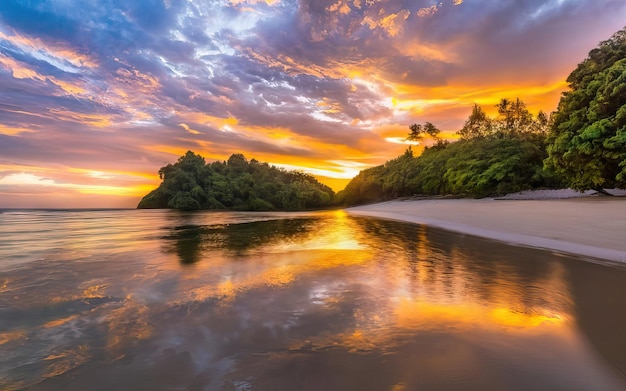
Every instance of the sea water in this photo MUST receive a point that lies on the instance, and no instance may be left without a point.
(167, 300)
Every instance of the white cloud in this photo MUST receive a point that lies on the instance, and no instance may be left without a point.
(26, 179)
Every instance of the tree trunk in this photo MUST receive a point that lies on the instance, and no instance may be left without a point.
(602, 191)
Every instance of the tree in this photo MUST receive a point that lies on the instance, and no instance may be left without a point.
(477, 125)
(431, 130)
(191, 184)
(541, 125)
(514, 118)
(513, 121)
(477, 167)
(418, 132)
(587, 140)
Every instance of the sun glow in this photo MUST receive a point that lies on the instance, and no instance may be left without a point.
(297, 85)
(25, 182)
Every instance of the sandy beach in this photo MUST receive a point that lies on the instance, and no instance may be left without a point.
(592, 227)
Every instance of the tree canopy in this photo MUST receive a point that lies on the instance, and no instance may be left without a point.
(494, 156)
(587, 141)
(513, 121)
(236, 184)
(418, 132)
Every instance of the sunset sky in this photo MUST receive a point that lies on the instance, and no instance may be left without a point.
(97, 95)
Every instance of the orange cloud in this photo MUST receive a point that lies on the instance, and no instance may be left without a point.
(12, 131)
(96, 120)
(20, 70)
(137, 80)
(208, 120)
(50, 50)
(341, 6)
(188, 129)
(427, 11)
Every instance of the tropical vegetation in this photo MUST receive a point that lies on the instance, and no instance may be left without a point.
(582, 145)
(587, 142)
(493, 156)
(235, 184)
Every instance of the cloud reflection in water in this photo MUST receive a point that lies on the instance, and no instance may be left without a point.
(301, 301)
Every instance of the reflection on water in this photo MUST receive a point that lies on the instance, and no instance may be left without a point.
(295, 301)
(190, 241)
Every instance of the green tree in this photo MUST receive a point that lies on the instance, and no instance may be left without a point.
(477, 125)
(587, 139)
(493, 157)
(541, 125)
(418, 132)
(237, 184)
(513, 121)
(514, 118)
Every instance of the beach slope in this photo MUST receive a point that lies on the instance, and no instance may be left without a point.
(593, 227)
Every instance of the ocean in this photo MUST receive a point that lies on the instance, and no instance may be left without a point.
(168, 300)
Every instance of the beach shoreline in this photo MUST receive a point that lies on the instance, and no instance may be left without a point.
(590, 227)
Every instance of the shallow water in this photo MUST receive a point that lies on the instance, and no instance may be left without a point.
(163, 300)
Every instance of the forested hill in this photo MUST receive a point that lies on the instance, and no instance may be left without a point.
(582, 145)
(236, 184)
(494, 156)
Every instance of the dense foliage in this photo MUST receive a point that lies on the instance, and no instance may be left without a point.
(494, 156)
(236, 184)
(587, 142)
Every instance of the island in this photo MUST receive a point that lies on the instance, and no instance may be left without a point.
(235, 184)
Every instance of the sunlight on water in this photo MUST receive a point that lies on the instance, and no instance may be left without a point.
(295, 301)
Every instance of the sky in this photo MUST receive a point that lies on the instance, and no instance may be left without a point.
(97, 95)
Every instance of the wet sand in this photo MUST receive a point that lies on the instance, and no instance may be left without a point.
(593, 227)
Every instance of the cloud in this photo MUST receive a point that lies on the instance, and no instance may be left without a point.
(120, 86)
(19, 183)
(25, 179)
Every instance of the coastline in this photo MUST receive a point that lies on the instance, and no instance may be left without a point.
(590, 227)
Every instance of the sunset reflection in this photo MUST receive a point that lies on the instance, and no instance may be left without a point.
(253, 299)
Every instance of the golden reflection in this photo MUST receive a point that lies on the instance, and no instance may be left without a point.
(423, 268)
(506, 317)
(431, 292)
(289, 268)
(338, 236)
(419, 314)
(415, 290)
(361, 285)
(11, 336)
(399, 387)
(91, 292)
(66, 361)
(127, 325)
(409, 316)
(226, 288)
(278, 276)
(94, 291)
(59, 322)
(425, 290)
